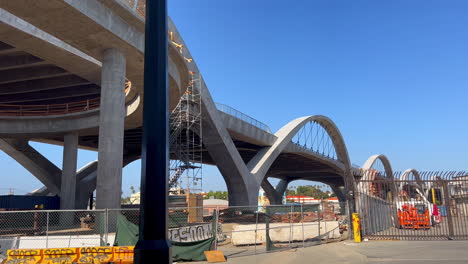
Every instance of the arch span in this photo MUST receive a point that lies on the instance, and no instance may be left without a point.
(263, 160)
(370, 163)
(369, 175)
(405, 177)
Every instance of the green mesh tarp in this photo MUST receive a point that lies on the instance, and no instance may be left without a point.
(127, 235)
(127, 232)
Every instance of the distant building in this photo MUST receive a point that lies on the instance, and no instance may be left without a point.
(262, 199)
(135, 198)
(209, 205)
(308, 199)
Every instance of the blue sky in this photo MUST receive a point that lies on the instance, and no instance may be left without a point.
(393, 75)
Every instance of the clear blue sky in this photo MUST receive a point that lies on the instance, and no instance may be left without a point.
(393, 75)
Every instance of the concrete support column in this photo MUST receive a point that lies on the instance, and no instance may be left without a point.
(68, 184)
(339, 191)
(111, 130)
(275, 195)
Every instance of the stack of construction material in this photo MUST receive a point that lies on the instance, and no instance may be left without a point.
(310, 217)
(328, 212)
(291, 218)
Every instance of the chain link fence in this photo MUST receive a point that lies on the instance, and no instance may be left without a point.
(237, 231)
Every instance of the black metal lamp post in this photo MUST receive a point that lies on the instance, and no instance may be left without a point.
(153, 245)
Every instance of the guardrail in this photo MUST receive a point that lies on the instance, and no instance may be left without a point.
(136, 5)
(47, 110)
(54, 109)
(246, 118)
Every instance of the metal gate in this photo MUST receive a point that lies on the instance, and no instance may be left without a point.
(413, 206)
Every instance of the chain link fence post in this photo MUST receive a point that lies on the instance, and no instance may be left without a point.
(291, 225)
(318, 220)
(215, 234)
(47, 230)
(256, 230)
(302, 224)
(106, 227)
(269, 245)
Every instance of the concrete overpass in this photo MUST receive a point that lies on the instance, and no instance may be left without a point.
(77, 82)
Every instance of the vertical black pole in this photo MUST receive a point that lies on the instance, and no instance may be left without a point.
(153, 245)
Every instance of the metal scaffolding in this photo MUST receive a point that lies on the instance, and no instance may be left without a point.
(186, 141)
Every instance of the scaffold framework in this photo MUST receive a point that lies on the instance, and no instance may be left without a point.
(186, 147)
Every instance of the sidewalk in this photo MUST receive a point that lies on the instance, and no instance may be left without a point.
(411, 252)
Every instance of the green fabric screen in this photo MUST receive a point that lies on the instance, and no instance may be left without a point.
(127, 235)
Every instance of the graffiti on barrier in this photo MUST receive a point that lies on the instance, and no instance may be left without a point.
(24, 252)
(23, 256)
(60, 255)
(123, 254)
(21, 260)
(95, 254)
(65, 259)
(193, 233)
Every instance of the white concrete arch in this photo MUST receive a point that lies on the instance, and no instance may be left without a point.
(371, 161)
(368, 176)
(261, 163)
(405, 176)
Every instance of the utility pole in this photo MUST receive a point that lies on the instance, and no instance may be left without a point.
(153, 245)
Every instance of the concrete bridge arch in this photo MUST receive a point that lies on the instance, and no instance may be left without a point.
(369, 175)
(262, 162)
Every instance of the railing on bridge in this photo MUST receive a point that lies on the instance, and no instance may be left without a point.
(136, 5)
(246, 118)
(54, 109)
(50, 109)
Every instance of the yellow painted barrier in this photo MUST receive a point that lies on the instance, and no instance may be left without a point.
(94, 255)
(123, 255)
(84, 255)
(356, 227)
(24, 256)
(59, 255)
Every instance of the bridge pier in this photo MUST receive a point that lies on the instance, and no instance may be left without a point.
(339, 191)
(111, 130)
(275, 195)
(68, 183)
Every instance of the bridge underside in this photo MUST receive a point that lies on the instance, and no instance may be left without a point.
(27, 80)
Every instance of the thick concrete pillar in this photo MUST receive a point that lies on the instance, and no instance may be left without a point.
(111, 130)
(68, 184)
